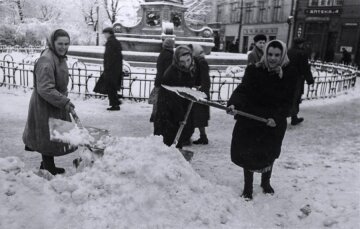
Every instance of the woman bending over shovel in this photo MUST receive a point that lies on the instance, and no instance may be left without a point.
(266, 90)
(171, 107)
(49, 99)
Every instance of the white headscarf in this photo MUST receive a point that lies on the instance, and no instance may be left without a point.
(283, 61)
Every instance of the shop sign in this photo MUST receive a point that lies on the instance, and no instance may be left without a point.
(319, 11)
(351, 24)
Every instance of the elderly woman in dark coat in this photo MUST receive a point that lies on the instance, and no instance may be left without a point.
(201, 113)
(171, 108)
(266, 90)
(163, 62)
(49, 99)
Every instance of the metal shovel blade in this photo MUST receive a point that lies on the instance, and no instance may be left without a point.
(70, 133)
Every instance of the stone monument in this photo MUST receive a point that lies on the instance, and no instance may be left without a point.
(160, 20)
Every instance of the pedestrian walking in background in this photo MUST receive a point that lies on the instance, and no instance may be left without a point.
(201, 113)
(171, 108)
(49, 99)
(112, 68)
(266, 90)
(346, 57)
(299, 59)
(255, 55)
(163, 62)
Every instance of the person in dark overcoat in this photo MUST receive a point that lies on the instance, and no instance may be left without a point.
(112, 68)
(266, 90)
(201, 113)
(163, 62)
(255, 55)
(299, 58)
(346, 57)
(171, 108)
(49, 99)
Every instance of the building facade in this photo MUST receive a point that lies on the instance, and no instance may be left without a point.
(328, 26)
(241, 20)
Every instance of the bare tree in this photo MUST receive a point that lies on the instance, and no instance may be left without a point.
(89, 11)
(112, 8)
(49, 12)
(18, 6)
(197, 11)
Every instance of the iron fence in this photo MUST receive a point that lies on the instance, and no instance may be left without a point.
(330, 79)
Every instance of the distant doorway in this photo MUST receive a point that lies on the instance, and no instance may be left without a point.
(316, 34)
(331, 45)
(245, 45)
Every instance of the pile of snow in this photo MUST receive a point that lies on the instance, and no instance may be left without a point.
(138, 183)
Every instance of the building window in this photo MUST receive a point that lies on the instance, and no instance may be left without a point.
(220, 9)
(261, 11)
(248, 10)
(326, 2)
(235, 12)
(277, 10)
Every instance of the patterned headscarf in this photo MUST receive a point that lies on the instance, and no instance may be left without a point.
(183, 50)
(264, 62)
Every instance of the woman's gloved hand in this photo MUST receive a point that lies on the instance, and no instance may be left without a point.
(231, 110)
(69, 107)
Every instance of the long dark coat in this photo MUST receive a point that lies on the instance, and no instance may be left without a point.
(163, 62)
(299, 59)
(113, 63)
(255, 145)
(171, 108)
(48, 99)
(201, 113)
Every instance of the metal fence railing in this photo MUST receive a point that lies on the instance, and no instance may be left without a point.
(330, 79)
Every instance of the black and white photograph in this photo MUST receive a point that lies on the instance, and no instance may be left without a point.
(179, 114)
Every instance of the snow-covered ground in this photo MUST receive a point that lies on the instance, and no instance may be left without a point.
(139, 183)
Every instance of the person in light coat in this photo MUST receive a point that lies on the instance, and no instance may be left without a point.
(49, 99)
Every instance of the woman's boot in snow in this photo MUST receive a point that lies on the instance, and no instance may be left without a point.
(49, 165)
(248, 185)
(265, 182)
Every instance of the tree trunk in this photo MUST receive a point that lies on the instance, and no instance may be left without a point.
(20, 9)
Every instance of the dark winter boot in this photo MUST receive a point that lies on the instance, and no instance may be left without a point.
(248, 185)
(203, 140)
(295, 120)
(265, 183)
(49, 165)
(113, 108)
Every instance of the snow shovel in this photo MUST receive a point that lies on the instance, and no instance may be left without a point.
(75, 133)
(200, 97)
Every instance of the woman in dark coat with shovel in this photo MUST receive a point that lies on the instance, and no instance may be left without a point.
(171, 108)
(49, 99)
(266, 90)
(201, 113)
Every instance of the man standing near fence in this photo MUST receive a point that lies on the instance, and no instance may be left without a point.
(112, 68)
(299, 59)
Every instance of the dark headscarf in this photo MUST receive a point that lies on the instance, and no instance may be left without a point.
(183, 50)
(51, 40)
(169, 44)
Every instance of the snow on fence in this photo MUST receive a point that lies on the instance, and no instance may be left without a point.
(330, 79)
